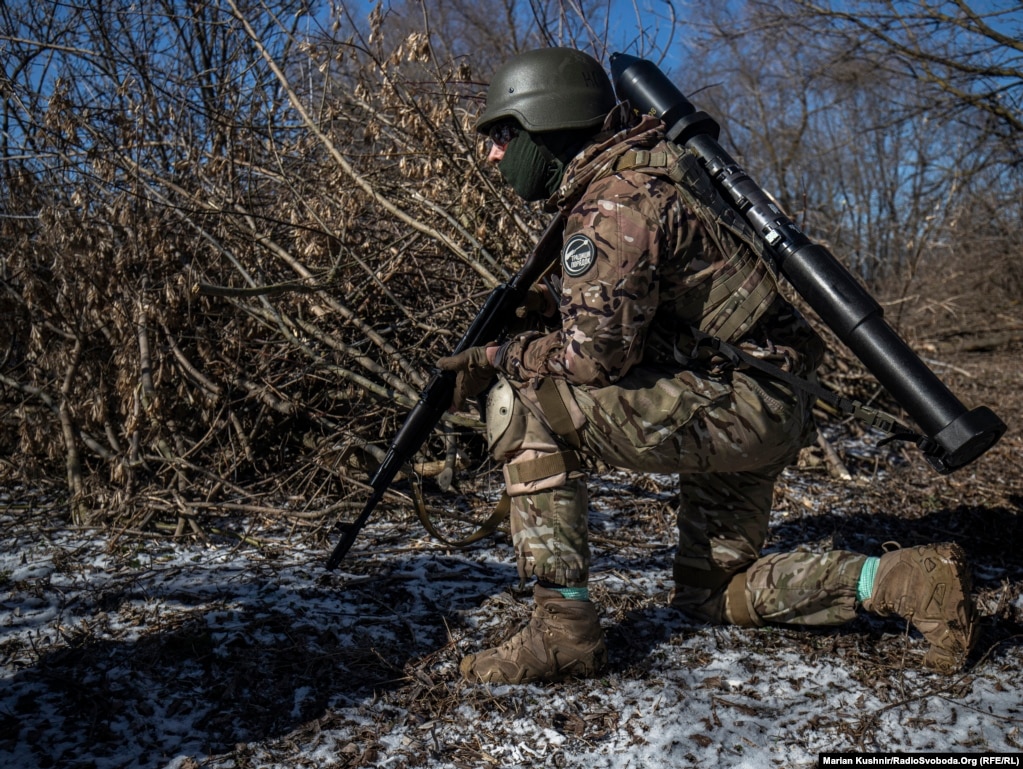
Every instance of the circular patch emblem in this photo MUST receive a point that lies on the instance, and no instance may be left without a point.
(578, 256)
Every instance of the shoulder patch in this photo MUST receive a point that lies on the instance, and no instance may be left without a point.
(578, 256)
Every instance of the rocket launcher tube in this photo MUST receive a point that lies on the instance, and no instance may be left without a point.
(954, 436)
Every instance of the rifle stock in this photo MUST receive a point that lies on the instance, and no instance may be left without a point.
(488, 325)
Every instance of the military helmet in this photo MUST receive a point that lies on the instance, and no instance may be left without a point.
(549, 89)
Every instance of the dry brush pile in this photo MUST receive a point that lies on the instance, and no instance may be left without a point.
(224, 289)
(231, 254)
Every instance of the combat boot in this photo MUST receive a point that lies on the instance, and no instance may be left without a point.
(562, 640)
(930, 586)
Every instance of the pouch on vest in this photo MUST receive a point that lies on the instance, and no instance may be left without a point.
(743, 288)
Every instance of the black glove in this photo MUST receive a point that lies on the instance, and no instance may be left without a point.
(474, 374)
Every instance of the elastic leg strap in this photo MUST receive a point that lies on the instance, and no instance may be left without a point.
(542, 467)
(706, 579)
(736, 606)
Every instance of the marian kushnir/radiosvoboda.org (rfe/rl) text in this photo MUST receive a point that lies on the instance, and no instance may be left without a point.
(919, 759)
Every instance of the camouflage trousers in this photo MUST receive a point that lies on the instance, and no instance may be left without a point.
(727, 439)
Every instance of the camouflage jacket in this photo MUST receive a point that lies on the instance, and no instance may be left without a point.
(637, 268)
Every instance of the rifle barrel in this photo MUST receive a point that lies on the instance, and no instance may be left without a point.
(488, 325)
(351, 531)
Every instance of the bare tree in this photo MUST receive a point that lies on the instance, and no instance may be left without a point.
(877, 160)
(968, 56)
(488, 32)
(238, 234)
(214, 261)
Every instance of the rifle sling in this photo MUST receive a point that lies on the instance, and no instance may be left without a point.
(542, 467)
(487, 528)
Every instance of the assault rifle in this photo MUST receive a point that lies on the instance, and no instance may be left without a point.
(953, 437)
(490, 324)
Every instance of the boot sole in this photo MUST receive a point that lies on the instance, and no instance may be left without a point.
(946, 660)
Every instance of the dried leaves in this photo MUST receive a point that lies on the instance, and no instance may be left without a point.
(332, 307)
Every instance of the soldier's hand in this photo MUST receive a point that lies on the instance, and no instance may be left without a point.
(538, 299)
(474, 373)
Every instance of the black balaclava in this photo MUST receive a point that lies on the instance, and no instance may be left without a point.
(533, 164)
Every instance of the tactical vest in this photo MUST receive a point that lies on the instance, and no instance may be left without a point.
(744, 287)
(748, 273)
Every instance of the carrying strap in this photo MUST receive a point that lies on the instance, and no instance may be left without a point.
(520, 472)
(556, 413)
(689, 176)
(872, 417)
(685, 171)
(560, 421)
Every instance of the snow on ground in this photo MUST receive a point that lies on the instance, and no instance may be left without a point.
(127, 652)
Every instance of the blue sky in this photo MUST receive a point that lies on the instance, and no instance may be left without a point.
(663, 24)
